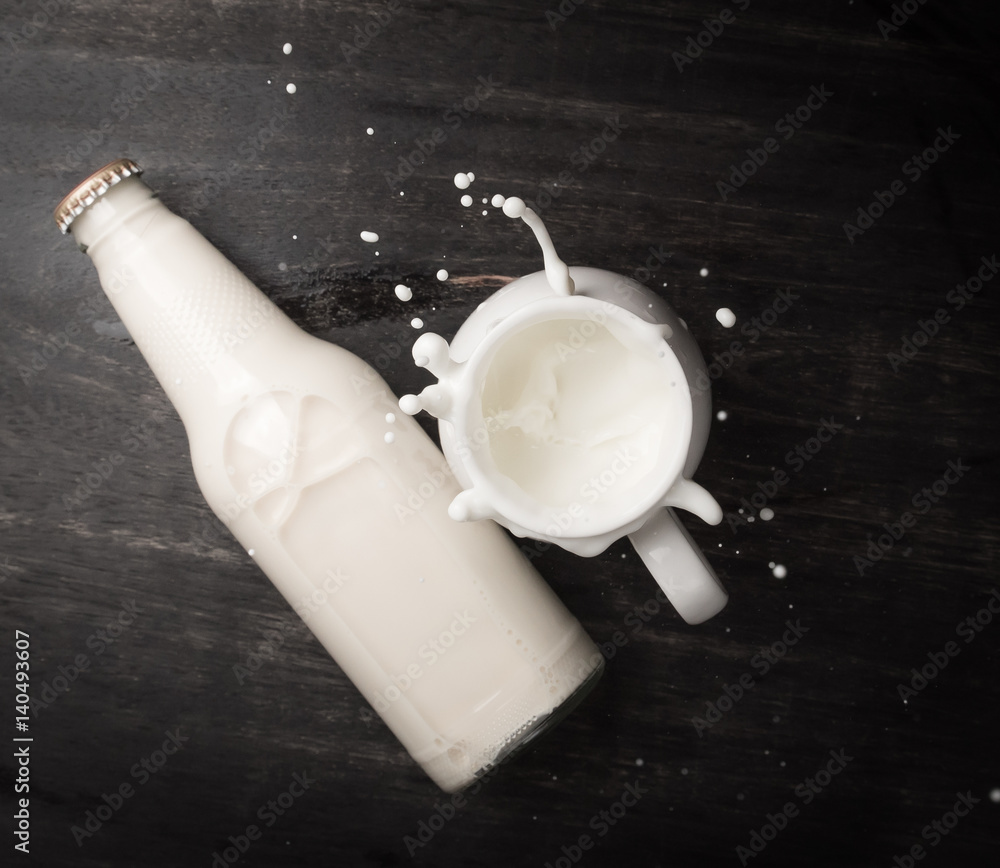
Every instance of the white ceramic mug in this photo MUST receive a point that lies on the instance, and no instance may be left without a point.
(643, 324)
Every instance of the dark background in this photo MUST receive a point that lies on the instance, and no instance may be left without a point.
(186, 89)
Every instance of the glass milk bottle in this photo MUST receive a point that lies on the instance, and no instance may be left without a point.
(300, 448)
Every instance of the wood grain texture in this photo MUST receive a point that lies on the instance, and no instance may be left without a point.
(187, 89)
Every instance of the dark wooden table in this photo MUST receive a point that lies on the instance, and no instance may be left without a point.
(283, 184)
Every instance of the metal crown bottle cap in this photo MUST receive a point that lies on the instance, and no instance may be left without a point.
(88, 191)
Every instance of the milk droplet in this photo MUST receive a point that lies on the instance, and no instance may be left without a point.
(639, 761)
(485, 213)
(390, 417)
(287, 48)
(770, 565)
(703, 272)
(725, 316)
(409, 404)
(282, 266)
(722, 415)
(779, 571)
(485, 200)
(766, 514)
(466, 200)
(389, 436)
(370, 237)
(498, 201)
(462, 181)
(403, 293)
(472, 176)
(291, 88)
(514, 207)
(371, 132)
(995, 795)
(417, 322)
(250, 552)
(442, 275)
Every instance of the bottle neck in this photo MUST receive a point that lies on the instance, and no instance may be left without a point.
(201, 325)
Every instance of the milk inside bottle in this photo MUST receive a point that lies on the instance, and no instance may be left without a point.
(300, 448)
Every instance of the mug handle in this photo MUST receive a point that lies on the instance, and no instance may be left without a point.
(679, 567)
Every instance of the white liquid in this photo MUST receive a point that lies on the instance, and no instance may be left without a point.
(556, 271)
(575, 416)
(463, 180)
(779, 571)
(722, 415)
(403, 292)
(444, 627)
(466, 200)
(287, 48)
(442, 275)
(726, 317)
(291, 88)
(703, 272)
(370, 237)
(417, 322)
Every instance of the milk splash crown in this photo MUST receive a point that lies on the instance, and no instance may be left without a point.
(567, 415)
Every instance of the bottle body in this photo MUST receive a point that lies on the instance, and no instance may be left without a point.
(300, 448)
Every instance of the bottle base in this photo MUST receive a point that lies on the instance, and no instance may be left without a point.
(474, 748)
(547, 723)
